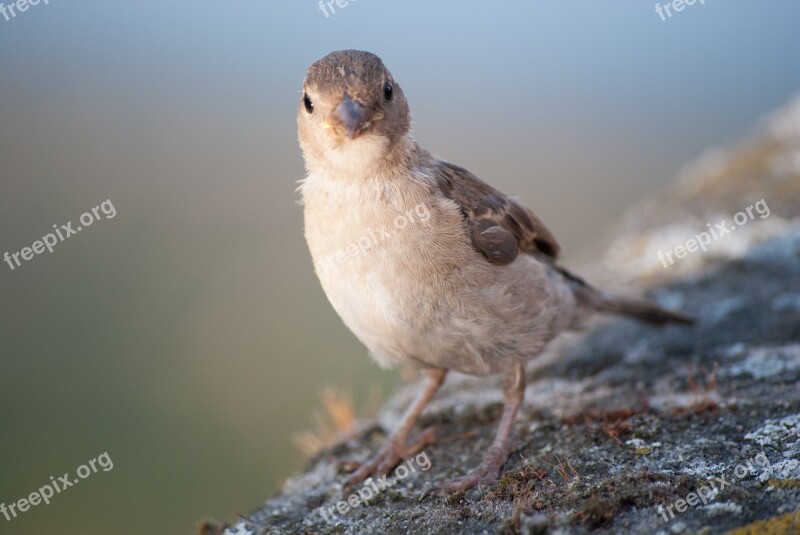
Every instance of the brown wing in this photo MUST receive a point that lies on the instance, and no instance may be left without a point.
(499, 226)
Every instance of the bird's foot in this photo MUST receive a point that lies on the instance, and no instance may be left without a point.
(389, 456)
(485, 474)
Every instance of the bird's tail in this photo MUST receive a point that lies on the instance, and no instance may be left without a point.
(639, 309)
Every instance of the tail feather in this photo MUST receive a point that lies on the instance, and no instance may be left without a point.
(639, 309)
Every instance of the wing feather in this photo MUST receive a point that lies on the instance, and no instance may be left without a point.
(500, 227)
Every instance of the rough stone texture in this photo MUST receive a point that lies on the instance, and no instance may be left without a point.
(623, 418)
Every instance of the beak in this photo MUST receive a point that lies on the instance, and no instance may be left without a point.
(351, 116)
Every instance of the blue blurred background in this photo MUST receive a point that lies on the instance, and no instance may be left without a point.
(188, 336)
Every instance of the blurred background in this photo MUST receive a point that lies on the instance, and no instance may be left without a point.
(188, 336)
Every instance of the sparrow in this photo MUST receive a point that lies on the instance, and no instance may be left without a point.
(425, 263)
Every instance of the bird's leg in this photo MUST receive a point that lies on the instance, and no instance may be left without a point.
(486, 473)
(397, 446)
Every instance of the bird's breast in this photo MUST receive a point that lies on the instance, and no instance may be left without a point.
(383, 255)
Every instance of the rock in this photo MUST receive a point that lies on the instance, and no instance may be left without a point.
(627, 428)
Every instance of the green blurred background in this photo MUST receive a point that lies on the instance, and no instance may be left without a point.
(188, 336)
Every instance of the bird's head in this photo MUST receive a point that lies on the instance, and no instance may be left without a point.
(352, 112)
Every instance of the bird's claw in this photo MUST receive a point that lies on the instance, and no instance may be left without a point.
(389, 456)
(485, 474)
(478, 477)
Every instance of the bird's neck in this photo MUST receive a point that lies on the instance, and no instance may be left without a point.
(361, 164)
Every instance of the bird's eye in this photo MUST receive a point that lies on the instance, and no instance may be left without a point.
(388, 91)
(307, 103)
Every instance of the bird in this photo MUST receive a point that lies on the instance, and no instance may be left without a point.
(429, 266)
